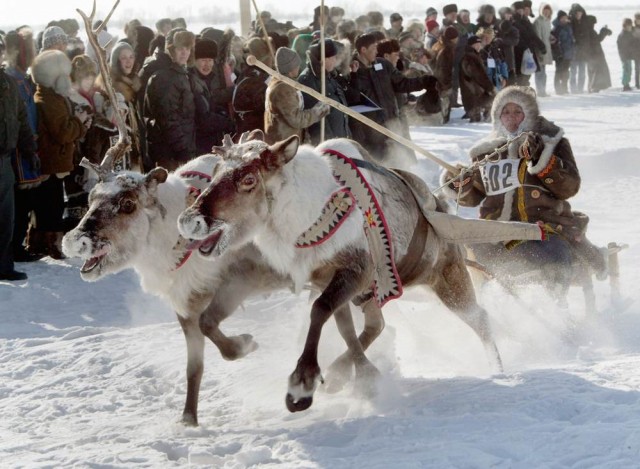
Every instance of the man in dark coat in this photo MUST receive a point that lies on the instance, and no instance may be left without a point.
(169, 106)
(510, 37)
(563, 50)
(212, 120)
(378, 81)
(528, 40)
(14, 133)
(599, 77)
(336, 122)
(582, 36)
(476, 88)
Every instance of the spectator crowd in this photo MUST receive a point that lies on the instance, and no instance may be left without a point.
(180, 92)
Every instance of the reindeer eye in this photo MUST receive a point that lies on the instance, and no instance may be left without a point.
(248, 182)
(127, 206)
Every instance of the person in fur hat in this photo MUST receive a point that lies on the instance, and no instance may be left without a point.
(285, 114)
(169, 106)
(212, 117)
(251, 87)
(476, 88)
(542, 26)
(530, 179)
(20, 52)
(59, 130)
(445, 51)
(15, 135)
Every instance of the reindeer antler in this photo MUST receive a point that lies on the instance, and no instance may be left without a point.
(123, 144)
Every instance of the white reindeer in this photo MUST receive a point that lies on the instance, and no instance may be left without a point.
(131, 223)
(272, 194)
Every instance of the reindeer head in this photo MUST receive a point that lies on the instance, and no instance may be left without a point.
(121, 209)
(239, 200)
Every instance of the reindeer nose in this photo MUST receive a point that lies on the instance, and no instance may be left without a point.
(192, 225)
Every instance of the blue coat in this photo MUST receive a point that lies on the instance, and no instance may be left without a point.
(564, 48)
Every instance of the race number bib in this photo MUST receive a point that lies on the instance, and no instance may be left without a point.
(500, 177)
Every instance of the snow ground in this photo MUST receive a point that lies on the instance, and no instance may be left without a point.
(92, 375)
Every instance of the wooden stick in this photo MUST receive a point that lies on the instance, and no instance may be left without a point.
(323, 73)
(251, 60)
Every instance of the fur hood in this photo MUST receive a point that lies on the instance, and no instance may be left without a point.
(525, 98)
(52, 69)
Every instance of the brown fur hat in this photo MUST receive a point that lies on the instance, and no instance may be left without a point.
(51, 69)
(83, 66)
(179, 37)
(258, 48)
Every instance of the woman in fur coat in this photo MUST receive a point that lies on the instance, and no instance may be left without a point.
(529, 180)
(58, 132)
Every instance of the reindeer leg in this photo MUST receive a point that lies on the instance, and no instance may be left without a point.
(340, 371)
(453, 286)
(231, 347)
(238, 284)
(305, 378)
(366, 372)
(195, 367)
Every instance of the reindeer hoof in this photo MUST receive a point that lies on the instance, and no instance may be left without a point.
(243, 345)
(302, 404)
(188, 420)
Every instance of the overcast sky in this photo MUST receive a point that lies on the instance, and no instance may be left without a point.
(39, 12)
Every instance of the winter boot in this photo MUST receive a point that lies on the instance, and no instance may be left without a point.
(54, 244)
(36, 242)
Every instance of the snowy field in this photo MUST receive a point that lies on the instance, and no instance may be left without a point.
(93, 374)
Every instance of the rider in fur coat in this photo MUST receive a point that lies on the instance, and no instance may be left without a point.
(529, 177)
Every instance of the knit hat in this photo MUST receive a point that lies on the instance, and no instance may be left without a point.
(206, 49)
(53, 36)
(287, 60)
(258, 48)
(330, 49)
(431, 11)
(179, 37)
(395, 17)
(82, 66)
(561, 13)
(450, 33)
(473, 40)
(431, 25)
(450, 8)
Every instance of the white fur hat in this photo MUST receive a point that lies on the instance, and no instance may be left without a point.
(52, 69)
(523, 96)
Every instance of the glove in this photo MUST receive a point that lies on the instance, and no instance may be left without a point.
(531, 148)
(320, 110)
(429, 82)
(543, 51)
(459, 180)
(34, 162)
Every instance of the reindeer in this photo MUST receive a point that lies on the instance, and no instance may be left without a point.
(131, 223)
(269, 195)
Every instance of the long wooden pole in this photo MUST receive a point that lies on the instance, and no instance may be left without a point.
(323, 72)
(251, 60)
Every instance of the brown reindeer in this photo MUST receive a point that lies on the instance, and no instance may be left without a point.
(270, 195)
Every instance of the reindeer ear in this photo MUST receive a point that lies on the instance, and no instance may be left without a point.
(280, 153)
(154, 177)
(256, 134)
